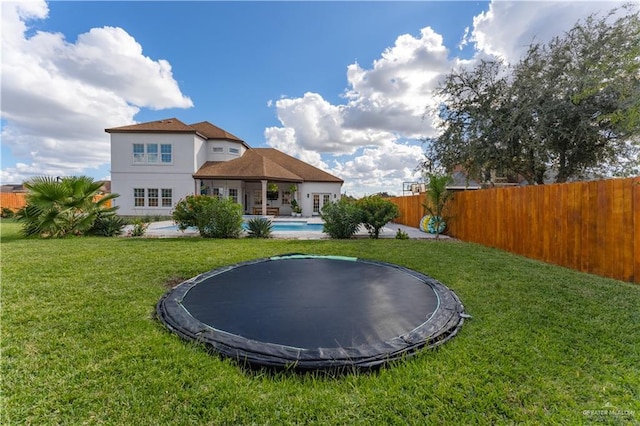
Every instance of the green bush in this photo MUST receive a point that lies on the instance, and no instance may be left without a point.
(6, 213)
(341, 219)
(259, 227)
(107, 225)
(193, 211)
(376, 212)
(401, 235)
(226, 219)
(60, 207)
(214, 217)
(139, 228)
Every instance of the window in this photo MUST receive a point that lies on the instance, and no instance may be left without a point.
(152, 197)
(218, 149)
(286, 197)
(234, 151)
(166, 154)
(148, 153)
(257, 196)
(218, 192)
(233, 194)
(167, 197)
(138, 153)
(152, 153)
(138, 197)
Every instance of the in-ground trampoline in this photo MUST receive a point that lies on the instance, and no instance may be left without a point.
(308, 312)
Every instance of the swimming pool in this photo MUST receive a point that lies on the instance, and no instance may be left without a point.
(277, 226)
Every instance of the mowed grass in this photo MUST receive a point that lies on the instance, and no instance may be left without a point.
(80, 345)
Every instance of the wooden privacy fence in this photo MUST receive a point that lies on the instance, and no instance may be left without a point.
(588, 226)
(12, 200)
(17, 200)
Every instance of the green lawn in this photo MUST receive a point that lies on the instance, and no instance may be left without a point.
(80, 345)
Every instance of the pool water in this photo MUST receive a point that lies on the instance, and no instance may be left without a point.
(294, 226)
(279, 226)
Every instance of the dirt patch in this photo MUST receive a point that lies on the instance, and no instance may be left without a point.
(174, 281)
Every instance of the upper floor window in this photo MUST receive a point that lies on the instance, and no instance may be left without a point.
(166, 154)
(217, 149)
(235, 151)
(138, 153)
(150, 154)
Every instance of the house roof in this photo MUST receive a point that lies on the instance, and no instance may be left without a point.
(16, 187)
(248, 167)
(214, 132)
(172, 125)
(299, 167)
(264, 163)
(168, 125)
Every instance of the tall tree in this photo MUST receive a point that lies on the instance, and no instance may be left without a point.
(568, 108)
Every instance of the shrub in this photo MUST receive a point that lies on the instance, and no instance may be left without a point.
(139, 228)
(193, 211)
(6, 213)
(341, 219)
(259, 227)
(401, 235)
(214, 217)
(376, 212)
(226, 219)
(60, 207)
(107, 225)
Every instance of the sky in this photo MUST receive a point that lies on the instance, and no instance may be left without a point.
(346, 86)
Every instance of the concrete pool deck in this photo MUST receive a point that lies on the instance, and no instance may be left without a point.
(159, 230)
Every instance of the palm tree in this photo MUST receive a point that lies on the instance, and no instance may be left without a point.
(437, 198)
(59, 207)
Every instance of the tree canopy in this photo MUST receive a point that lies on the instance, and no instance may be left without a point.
(568, 109)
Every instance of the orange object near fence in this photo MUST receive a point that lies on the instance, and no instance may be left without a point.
(17, 200)
(13, 200)
(591, 226)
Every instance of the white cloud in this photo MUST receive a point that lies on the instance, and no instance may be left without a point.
(380, 169)
(58, 97)
(508, 28)
(383, 103)
(386, 103)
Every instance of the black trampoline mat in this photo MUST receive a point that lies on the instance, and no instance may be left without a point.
(309, 312)
(312, 303)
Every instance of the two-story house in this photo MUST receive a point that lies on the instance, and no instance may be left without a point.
(154, 165)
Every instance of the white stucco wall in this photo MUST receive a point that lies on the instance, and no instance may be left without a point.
(225, 155)
(181, 185)
(127, 175)
(307, 189)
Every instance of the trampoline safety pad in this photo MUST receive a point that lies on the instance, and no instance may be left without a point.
(307, 312)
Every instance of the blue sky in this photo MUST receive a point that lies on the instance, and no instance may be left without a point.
(342, 85)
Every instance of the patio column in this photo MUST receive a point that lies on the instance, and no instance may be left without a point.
(264, 197)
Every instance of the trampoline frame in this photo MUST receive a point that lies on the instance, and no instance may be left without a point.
(443, 324)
